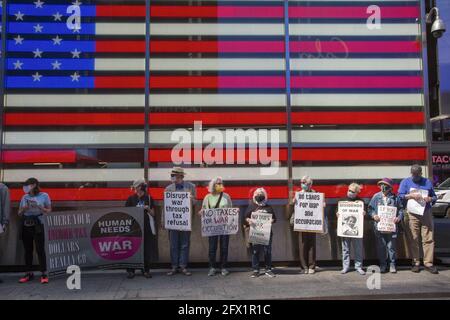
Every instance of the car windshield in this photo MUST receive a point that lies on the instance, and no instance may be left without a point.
(445, 184)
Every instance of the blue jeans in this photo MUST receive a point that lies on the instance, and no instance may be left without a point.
(386, 241)
(179, 248)
(256, 251)
(213, 241)
(346, 246)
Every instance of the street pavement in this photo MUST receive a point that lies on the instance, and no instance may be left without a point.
(328, 283)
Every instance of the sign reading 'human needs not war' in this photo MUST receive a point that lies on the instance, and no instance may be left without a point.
(177, 210)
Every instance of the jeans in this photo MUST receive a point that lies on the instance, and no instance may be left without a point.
(386, 241)
(346, 246)
(34, 236)
(213, 241)
(256, 251)
(179, 248)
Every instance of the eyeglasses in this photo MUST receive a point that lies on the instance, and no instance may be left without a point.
(351, 191)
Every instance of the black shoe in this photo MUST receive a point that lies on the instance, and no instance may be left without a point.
(432, 270)
(415, 269)
(147, 274)
(130, 275)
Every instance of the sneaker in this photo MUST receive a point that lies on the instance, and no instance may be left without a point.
(360, 271)
(270, 274)
(212, 272)
(255, 274)
(432, 270)
(392, 269)
(186, 272)
(44, 279)
(172, 272)
(415, 268)
(26, 278)
(344, 271)
(383, 269)
(147, 274)
(130, 274)
(312, 271)
(225, 272)
(304, 271)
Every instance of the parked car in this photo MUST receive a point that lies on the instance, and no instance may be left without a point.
(442, 206)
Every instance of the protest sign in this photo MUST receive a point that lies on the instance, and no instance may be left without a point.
(308, 210)
(351, 219)
(261, 228)
(387, 215)
(417, 206)
(220, 221)
(104, 238)
(177, 210)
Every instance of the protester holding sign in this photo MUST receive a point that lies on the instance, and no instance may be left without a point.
(259, 206)
(33, 206)
(386, 209)
(416, 192)
(307, 239)
(180, 240)
(217, 198)
(142, 199)
(351, 235)
(5, 206)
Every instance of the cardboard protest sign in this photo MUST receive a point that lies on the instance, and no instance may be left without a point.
(261, 229)
(308, 211)
(177, 210)
(351, 219)
(220, 221)
(387, 215)
(103, 238)
(417, 206)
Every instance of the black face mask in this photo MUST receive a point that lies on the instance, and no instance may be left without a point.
(260, 198)
(416, 179)
(385, 188)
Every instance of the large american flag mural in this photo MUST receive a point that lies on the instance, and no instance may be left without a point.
(75, 98)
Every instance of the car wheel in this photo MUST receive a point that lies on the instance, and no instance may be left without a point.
(447, 213)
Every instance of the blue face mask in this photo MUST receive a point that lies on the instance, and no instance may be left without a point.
(305, 187)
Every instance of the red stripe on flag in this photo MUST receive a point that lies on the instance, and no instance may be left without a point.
(340, 46)
(359, 82)
(116, 46)
(32, 156)
(119, 82)
(73, 119)
(210, 118)
(313, 154)
(181, 11)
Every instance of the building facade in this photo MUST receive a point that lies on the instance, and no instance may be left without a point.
(99, 93)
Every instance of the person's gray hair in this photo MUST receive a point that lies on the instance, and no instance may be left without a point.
(213, 182)
(355, 187)
(416, 168)
(307, 179)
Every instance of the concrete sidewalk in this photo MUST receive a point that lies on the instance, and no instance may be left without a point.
(326, 284)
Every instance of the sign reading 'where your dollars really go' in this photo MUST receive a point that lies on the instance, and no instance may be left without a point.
(104, 238)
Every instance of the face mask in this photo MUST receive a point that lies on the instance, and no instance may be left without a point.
(218, 188)
(305, 187)
(260, 198)
(173, 179)
(416, 178)
(385, 188)
(351, 195)
(27, 189)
